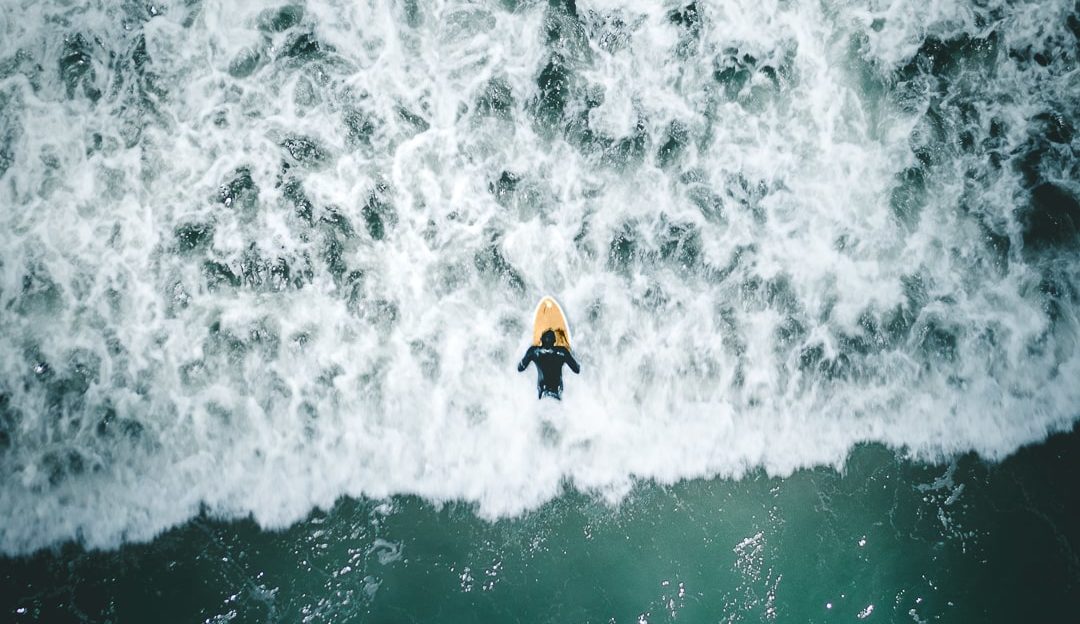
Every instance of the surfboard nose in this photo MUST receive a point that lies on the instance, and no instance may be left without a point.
(549, 316)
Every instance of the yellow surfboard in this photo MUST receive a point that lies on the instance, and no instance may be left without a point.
(550, 316)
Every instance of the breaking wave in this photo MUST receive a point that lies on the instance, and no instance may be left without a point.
(256, 259)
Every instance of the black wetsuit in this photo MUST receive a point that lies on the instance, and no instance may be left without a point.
(549, 363)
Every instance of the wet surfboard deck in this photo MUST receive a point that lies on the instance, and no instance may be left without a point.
(549, 315)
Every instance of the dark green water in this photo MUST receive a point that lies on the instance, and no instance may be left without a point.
(966, 542)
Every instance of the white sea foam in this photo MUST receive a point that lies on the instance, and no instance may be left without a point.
(723, 335)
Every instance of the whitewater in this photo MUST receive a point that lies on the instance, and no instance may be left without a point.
(258, 257)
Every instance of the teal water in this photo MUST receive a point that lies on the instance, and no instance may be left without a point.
(884, 540)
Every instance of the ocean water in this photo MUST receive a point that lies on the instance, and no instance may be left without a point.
(266, 270)
(887, 540)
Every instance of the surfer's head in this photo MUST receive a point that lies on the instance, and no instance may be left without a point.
(547, 338)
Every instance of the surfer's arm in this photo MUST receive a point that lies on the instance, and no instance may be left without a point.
(530, 355)
(572, 363)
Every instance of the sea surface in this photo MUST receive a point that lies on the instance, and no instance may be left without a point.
(266, 270)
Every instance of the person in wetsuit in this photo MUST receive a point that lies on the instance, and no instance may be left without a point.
(549, 361)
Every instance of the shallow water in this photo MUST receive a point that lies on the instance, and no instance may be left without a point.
(255, 259)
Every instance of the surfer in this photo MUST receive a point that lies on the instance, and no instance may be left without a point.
(549, 361)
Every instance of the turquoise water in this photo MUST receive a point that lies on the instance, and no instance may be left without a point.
(821, 262)
(886, 540)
